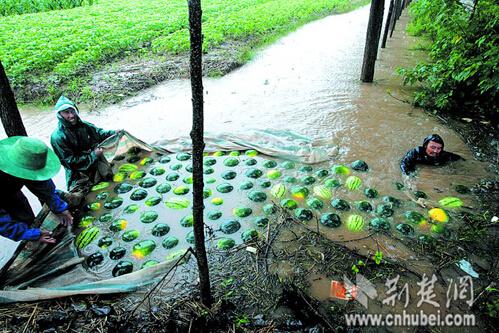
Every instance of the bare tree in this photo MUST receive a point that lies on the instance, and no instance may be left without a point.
(9, 113)
(196, 69)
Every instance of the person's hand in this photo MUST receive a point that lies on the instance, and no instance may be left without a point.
(46, 237)
(98, 152)
(66, 218)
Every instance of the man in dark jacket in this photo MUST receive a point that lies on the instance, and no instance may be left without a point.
(431, 152)
(75, 142)
(28, 162)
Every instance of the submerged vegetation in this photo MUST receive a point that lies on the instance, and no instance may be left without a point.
(18, 7)
(59, 50)
(461, 74)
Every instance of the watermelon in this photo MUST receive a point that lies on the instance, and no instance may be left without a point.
(94, 259)
(104, 218)
(322, 173)
(231, 162)
(130, 209)
(113, 203)
(188, 168)
(127, 167)
(165, 159)
(102, 196)
(146, 161)
(138, 174)
(188, 180)
(207, 193)
(181, 190)
(87, 220)
(254, 173)
(117, 253)
(371, 193)
(380, 224)
(251, 162)
(289, 204)
(399, 186)
(172, 176)
(225, 188)
(278, 191)
(269, 209)
(94, 206)
(187, 221)
(143, 248)
(355, 223)
(264, 183)
(364, 206)
(306, 168)
(122, 268)
(384, 210)
(304, 214)
(340, 204)
(217, 201)
(157, 171)
(130, 235)
(123, 188)
(249, 235)
(170, 242)
(332, 183)
(330, 220)
(86, 237)
(353, 183)
(225, 243)
(405, 229)
(261, 221)
(177, 203)
(148, 182)
(149, 263)
(340, 169)
(359, 165)
(461, 189)
(414, 217)
(288, 165)
(133, 159)
(190, 237)
(119, 157)
(393, 201)
(119, 177)
(246, 185)
(138, 194)
(219, 153)
(105, 242)
(450, 202)
(163, 188)
(438, 228)
(269, 164)
(230, 226)
(228, 175)
(322, 192)
(242, 211)
(148, 216)
(420, 194)
(208, 171)
(251, 153)
(308, 180)
(118, 225)
(290, 179)
(176, 166)
(235, 153)
(152, 201)
(257, 196)
(183, 156)
(209, 161)
(214, 215)
(299, 192)
(160, 229)
(438, 215)
(99, 186)
(273, 174)
(211, 180)
(425, 239)
(315, 203)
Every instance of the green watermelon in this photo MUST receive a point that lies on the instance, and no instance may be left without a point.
(380, 224)
(137, 174)
(225, 243)
(254, 173)
(249, 235)
(278, 191)
(130, 209)
(332, 183)
(353, 183)
(251, 153)
(138, 194)
(214, 215)
(172, 176)
(94, 259)
(340, 204)
(188, 180)
(340, 169)
(123, 188)
(384, 210)
(181, 190)
(414, 217)
(242, 211)
(461, 189)
(86, 237)
(170, 242)
(219, 153)
(157, 171)
(322, 192)
(208, 171)
(235, 153)
(269, 209)
(211, 180)
(359, 165)
(163, 188)
(371, 193)
(165, 159)
(102, 196)
(399, 186)
(89, 219)
(225, 188)
(117, 253)
(99, 186)
(251, 161)
(94, 206)
(308, 180)
(146, 161)
(160, 229)
(104, 218)
(230, 226)
(176, 166)
(119, 157)
(119, 177)
(113, 203)
(231, 162)
(290, 179)
(299, 192)
(364, 206)
(130, 235)
(393, 201)
(177, 203)
(207, 193)
(289, 204)
(288, 165)
(190, 237)
(269, 164)
(148, 182)
(330, 220)
(322, 173)
(257, 196)
(209, 161)
(133, 159)
(122, 268)
(183, 156)
(187, 221)
(188, 168)
(127, 167)
(405, 229)
(105, 242)
(228, 175)
(118, 225)
(143, 248)
(152, 201)
(450, 202)
(148, 216)
(261, 221)
(315, 203)
(264, 183)
(304, 214)
(306, 168)
(355, 223)
(149, 263)
(273, 174)
(217, 201)
(420, 194)
(246, 185)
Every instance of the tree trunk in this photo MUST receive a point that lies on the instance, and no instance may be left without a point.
(372, 40)
(198, 147)
(395, 16)
(9, 113)
(387, 24)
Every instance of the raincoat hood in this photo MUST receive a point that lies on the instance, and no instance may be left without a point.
(62, 104)
(435, 138)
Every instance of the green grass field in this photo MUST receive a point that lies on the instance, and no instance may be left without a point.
(64, 46)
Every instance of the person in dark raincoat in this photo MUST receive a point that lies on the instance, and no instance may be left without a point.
(28, 162)
(76, 142)
(431, 152)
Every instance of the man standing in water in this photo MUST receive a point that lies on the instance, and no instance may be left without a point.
(75, 142)
(28, 162)
(431, 152)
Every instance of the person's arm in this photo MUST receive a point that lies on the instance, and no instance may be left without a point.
(16, 230)
(452, 157)
(45, 191)
(408, 163)
(79, 161)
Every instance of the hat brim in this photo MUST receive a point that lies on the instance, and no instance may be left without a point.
(51, 168)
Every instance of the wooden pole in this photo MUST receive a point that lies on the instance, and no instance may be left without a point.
(395, 16)
(387, 25)
(9, 113)
(372, 40)
(196, 69)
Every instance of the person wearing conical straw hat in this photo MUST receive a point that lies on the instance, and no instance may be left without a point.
(26, 161)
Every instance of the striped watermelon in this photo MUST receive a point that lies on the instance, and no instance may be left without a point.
(119, 177)
(355, 223)
(450, 202)
(353, 183)
(177, 203)
(86, 237)
(99, 186)
(340, 169)
(322, 192)
(278, 191)
(130, 235)
(127, 167)
(137, 174)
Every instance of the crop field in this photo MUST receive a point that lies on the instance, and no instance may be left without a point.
(64, 46)
(18, 7)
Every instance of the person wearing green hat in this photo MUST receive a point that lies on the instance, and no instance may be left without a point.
(76, 142)
(28, 162)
